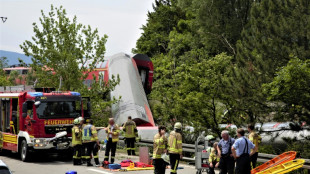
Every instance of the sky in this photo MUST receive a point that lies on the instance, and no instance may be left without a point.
(121, 20)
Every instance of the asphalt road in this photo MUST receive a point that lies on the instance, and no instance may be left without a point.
(54, 164)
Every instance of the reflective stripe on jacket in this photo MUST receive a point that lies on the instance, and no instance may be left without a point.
(115, 132)
(129, 128)
(175, 143)
(89, 133)
(213, 157)
(159, 146)
(76, 136)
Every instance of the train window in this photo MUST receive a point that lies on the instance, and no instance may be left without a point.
(25, 71)
(7, 71)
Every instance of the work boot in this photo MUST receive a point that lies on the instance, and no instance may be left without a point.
(97, 161)
(89, 163)
(129, 152)
(133, 153)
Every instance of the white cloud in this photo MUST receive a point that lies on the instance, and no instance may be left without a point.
(121, 20)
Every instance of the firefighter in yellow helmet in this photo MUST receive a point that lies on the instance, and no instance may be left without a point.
(112, 136)
(130, 135)
(77, 142)
(90, 139)
(159, 148)
(175, 147)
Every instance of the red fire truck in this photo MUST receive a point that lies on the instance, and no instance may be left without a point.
(40, 119)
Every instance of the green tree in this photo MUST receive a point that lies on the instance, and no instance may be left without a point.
(3, 77)
(290, 91)
(61, 47)
(160, 22)
(277, 31)
(64, 49)
(218, 23)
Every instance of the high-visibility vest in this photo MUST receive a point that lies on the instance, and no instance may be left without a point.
(213, 157)
(89, 133)
(175, 143)
(129, 128)
(159, 146)
(76, 136)
(255, 139)
(115, 132)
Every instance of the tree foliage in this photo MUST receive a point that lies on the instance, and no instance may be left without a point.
(223, 61)
(60, 49)
(65, 50)
(291, 90)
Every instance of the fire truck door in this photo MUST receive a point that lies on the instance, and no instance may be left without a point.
(28, 121)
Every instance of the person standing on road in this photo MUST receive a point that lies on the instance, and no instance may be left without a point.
(83, 148)
(214, 159)
(175, 147)
(130, 135)
(76, 142)
(112, 136)
(159, 148)
(90, 139)
(241, 150)
(227, 162)
(255, 139)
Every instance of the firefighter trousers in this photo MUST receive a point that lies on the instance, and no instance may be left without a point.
(77, 149)
(174, 162)
(243, 164)
(253, 159)
(227, 164)
(131, 146)
(111, 146)
(91, 148)
(159, 166)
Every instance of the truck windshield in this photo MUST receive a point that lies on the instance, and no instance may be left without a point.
(58, 109)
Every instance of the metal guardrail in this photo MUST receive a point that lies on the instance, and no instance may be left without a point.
(262, 157)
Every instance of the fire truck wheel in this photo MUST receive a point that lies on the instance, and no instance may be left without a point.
(24, 152)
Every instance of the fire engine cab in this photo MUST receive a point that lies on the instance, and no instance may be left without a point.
(40, 119)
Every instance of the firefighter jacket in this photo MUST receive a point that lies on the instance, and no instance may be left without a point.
(175, 143)
(76, 135)
(130, 129)
(255, 139)
(159, 146)
(115, 132)
(213, 157)
(89, 133)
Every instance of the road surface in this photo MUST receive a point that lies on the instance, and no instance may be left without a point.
(53, 164)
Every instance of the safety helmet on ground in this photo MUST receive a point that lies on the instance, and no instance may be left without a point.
(76, 121)
(178, 125)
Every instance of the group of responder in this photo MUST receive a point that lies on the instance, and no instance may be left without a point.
(85, 141)
(163, 145)
(235, 156)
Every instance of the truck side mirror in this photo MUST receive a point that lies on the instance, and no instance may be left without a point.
(37, 104)
(24, 109)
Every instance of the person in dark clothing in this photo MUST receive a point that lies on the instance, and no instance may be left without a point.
(241, 150)
(113, 137)
(227, 162)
